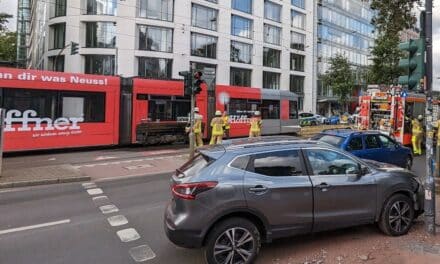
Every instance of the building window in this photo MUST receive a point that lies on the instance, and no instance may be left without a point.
(100, 35)
(58, 35)
(272, 11)
(212, 1)
(56, 63)
(101, 7)
(204, 17)
(203, 45)
(156, 9)
(155, 38)
(100, 64)
(198, 66)
(241, 52)
(242, 5)
(271, 80)
(241, 26)
(271, 58)
(297, 41)
(298, 20)
(240, 77)
(59, 8)
(155, 68)
(297, 62)
(299, 3)
(297, 84)
(272, 35)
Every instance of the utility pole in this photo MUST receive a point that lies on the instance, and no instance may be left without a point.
(429, 180)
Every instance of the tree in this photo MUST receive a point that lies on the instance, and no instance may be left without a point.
(8, 46)
(392, 16)
(341, 78)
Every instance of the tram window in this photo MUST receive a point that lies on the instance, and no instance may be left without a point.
(89, 105)
(167, 109)
(270, 109)
(41, 101)
(242, 107)
(293, 110)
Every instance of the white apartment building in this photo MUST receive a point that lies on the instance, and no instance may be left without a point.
(252, 43)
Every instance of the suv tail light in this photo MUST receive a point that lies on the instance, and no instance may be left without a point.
(189, 191)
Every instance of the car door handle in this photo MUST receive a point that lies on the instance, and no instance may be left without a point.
(323, 186)
(259, 189)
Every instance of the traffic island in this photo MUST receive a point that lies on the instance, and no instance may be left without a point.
(13, 178)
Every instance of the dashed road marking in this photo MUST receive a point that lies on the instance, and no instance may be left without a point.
(100, 200)
(142, 253)
(94, 191)
(108, 209)
(127, 235)
(136, 167)
(117, 220)
(12, 230)
(89, 185)
(127, 161)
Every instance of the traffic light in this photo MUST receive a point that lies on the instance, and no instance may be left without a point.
(187, 82)
(413, 64)
(74, 47)
(197, 82)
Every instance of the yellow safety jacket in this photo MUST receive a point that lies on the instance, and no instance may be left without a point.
(416, 128)
(226, 122)
(198, 124)
(217, 126)
(256, 124)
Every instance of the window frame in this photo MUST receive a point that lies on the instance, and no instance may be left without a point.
(348, 148)
(250, 30)
(169, 63)
(145, 28)
(166, 15)
(94, 41)
(251, 168)
(273, 5)
(240, 10)
(195, 34)
(366, 144)
(233, 42)
(310, 170)
(199, 24)
(241, 71)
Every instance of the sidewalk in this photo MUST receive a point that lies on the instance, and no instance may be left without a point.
(68, 167)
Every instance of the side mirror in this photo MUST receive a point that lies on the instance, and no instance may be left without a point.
(352, 170)
(363, 170)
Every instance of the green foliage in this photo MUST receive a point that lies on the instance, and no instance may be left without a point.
(340, 77)
(8, 46)
(392, 16)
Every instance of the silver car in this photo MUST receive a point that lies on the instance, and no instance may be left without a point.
(231, 198)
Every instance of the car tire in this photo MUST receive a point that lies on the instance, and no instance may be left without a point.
(397, 215)
(220, 237)
(408, 163)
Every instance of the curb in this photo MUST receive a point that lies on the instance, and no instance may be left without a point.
(43, 182)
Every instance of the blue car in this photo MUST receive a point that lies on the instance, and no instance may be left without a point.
(333, 120)
(370, 145)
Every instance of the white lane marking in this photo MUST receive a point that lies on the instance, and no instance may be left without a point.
(138, 167)
(108, 209)
(89, 185)
(117, 220)
(51, 159)
(94, 191)
(127, 235)
(12, 230)
(105, 158)
(128, 161)
(142, 253)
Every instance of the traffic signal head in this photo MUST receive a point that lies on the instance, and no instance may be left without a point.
(187, 82)
(74, 47)
(413, 63)
(197, 82)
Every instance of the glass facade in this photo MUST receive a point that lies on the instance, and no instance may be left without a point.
(100, 35)
(297, 62)
(298, 3)
(241, 52)
(204, 17)
(272, 11)
(242, 5)
(298, 20)
(101, 7)
(241, 26)
(155, 68)
(58, 32)
(271, 58)
(272, 34)
(271, 80)
(203, 45)
(343, 28)
(23, 31)
(297, 84)
(155, 38)
(240, 77)
(59, 8)
(100, 64)
(156, 9)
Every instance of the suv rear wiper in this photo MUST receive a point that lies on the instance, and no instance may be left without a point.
(179, 172)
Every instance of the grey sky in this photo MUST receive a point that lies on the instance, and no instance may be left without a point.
(10, 7)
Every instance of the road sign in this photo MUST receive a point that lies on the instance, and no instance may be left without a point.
(404, 94)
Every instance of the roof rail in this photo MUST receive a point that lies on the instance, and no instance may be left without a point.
(333, 129)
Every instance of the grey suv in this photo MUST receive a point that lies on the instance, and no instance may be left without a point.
(231, 198)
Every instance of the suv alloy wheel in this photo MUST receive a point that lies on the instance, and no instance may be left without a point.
(233, 241)
(397, 215)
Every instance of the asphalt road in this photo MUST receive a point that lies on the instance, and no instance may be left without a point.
(65, 224)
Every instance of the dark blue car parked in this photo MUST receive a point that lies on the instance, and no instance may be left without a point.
(371, 145)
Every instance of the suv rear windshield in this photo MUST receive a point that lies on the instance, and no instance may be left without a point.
(329, 139)
(193, 166)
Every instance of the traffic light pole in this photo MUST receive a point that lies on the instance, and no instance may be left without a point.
(429, 180)
(191, 132)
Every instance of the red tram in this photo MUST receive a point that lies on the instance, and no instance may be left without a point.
(52, 110)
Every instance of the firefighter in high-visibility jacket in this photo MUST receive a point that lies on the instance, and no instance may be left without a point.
(197, 129)
(217, 128)
(256, 123)
(417, 135)
(226, 124)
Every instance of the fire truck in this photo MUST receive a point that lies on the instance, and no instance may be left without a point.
(390, 112)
